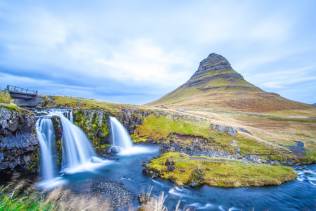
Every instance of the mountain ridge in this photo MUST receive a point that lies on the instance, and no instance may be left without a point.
(216, 84)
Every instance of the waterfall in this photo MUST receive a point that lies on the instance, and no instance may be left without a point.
(46, 136)
(120, 136)
(122, 142)
(77, 149)
(64, 111)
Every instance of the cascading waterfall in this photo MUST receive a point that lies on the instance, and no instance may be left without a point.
(120, 136)
(122, 142)
(65, 112)
(46, 136)
(77, 149)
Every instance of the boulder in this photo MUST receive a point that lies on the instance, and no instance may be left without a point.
(170, 165)
(225, 129)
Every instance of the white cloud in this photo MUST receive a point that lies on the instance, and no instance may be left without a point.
(284, 78)
(143, 61)
(272, 29)
(156, 46)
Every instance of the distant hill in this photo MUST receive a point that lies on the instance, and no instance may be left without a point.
(217, 85)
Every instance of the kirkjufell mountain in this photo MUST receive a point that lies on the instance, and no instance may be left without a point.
(216, 84)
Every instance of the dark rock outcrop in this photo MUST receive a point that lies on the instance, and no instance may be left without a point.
(213, 62)
(131, 118)
(170, 164)
(18, 141)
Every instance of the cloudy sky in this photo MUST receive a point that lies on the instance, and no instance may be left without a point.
(136, 51)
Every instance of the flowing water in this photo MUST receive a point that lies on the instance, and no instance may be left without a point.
(46, 136)
(299, 194)
(122, 142)
(120, 136)
(127, 171)
(77, 151)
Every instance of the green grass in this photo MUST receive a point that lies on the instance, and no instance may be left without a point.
(5, 97)
(309, 157)
(200, 170)
(82, 103)
(287, 119)
(10, 106)
(9, 201)
(21, 203)
(160, 127)
(5, 101)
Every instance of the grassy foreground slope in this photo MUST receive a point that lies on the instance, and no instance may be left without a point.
(196, 170)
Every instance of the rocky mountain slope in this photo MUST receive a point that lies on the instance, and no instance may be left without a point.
(216, 84)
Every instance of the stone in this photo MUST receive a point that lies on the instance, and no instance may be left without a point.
(114, 149)
(225, 129)
(170, 165)
(298, 149)
(244, 130)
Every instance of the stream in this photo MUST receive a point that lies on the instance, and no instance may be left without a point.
(119, 177)
(127, 171)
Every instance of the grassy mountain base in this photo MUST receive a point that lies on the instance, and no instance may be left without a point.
(161, 127)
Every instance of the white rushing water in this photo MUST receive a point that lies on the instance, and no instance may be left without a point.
(77, 149)
(122, 142)
(46, 136)
(120, 136)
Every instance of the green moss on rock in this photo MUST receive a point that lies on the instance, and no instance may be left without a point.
(199, 170)
(95, 124)
(33, 165)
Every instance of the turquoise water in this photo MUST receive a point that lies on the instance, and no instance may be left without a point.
(127, 170)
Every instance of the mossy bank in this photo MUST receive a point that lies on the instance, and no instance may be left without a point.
(198, 170)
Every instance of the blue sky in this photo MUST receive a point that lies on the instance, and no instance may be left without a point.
(136, 51)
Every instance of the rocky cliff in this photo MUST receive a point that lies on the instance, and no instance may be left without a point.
(18, 143)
